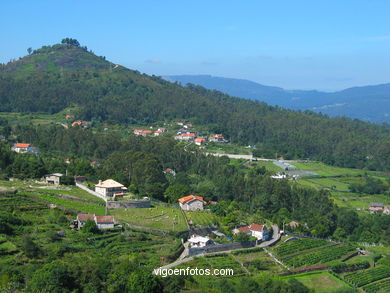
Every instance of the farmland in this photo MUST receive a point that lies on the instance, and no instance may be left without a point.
(320, 281)
(295, 246)
(363, 277)
(320, 256)
(157, 217)
(202, 219)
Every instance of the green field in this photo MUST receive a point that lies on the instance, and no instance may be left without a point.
(326, 170)
(69, 191)
(158, 217)
(74, 205)
(227, 149)
(320, 281)
(202, 219)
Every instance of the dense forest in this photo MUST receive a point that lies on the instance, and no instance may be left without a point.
(138, 163)
(53, 78)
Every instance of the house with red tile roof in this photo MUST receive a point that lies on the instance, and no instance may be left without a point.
(80, 123)
(23, 148)
(255, 230)
(217, 138)
(160, 131)
(142, 132)
(200, 141)
(191, 203)
(186, 136)
(102, 222)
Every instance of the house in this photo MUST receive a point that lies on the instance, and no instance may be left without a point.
(386, 211)
(258, 231)
(217, 138)
(376, 207)
(255, 230)
(102, 222)
(54, 178)
(199, 241)
(24, 148)
(169, 171)
(160, 131)
(186, 136)
(244, 229)
(109, 188)
(80, 178)
(191, 203)
(83, 218)
(80, 123)
(293, 224)
(69, 116)
(200, 141)
(279, 176)
(142, 132)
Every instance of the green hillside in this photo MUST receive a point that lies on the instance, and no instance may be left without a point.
(67, 75)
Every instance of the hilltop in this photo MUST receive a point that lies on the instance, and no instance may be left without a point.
(67, 75)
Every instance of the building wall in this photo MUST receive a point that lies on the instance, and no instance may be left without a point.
(105, 225)
(195, 205)
(53, 179)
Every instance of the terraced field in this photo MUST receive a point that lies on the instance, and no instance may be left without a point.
(158, 217)
(202, 219)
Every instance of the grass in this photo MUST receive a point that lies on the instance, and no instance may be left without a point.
(326, 170)
(227, 149)
(202, 219)
(74, 205)
(72, 191)
(158, 217)
(320, 281)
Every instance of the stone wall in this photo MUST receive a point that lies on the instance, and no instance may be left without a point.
(221, 247)
(128, 204)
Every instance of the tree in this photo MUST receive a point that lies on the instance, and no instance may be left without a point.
(142, 281)
(176, 191)
(29, 50)
(70, 41)
(53, 277)
(29, 247)
(90, 227)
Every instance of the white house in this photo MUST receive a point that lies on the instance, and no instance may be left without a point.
(54, 178)
(191, 203)
(199, 241)
(279, 176)
(24, 148)
(109, 188)
(217, 138)
(186, 136)
(102, 222)
(255, 230)
(200, 141)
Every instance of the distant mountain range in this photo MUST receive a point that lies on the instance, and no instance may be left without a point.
(370, 103)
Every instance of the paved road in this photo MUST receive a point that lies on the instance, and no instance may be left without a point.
(181, 260)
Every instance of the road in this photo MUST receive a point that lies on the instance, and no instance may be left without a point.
(183, 259)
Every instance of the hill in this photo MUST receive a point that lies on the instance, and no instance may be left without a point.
(370, 103)
(67, 75)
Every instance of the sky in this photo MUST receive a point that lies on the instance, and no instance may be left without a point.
(302, 44)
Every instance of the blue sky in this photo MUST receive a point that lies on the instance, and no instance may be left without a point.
(325, 44)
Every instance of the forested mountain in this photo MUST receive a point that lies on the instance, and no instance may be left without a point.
(56, 77)
(370, 103)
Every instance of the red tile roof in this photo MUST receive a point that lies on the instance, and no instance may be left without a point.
(188, 134)
(104, 219)
(256, 227)
(200, 139)
(85, 217)
(190, 198)
(22, 145)
(243, 229)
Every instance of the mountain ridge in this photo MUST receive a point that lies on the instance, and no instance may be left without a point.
(370, 103)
